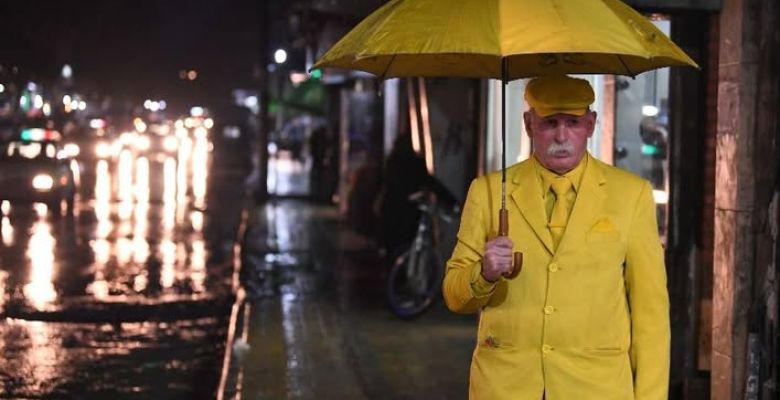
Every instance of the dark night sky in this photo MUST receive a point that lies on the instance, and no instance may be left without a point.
(135, 48)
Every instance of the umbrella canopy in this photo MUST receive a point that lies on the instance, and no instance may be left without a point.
(471, 38)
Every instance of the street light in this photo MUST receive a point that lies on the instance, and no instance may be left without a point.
(67, 71)
(280, 56)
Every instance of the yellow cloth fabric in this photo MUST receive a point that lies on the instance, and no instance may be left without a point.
(555, 94)
(561, 186)
(470, 38)
(588, 320)
(547, 178)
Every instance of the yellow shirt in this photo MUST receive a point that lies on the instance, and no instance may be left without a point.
(546, 177)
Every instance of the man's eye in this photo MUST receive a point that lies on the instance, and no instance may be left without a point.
(551, 123)
(572, 122)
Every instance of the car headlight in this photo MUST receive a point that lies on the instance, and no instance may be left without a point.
(103, 150)
(201, 132)
(171, 143)
(143, 143)
(71, 149)
(43, 182)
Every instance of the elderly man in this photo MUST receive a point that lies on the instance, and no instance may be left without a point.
(588, 316)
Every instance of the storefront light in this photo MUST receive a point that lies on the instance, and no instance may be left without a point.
(42, 182)
(296, 78)
(660, 196)
(649, 110)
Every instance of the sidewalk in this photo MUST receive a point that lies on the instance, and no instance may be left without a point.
(311, 320)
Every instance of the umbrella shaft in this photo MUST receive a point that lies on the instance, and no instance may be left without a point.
(503, 132)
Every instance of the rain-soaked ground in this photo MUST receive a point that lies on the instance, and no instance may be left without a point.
(315, 324)
(129, 295)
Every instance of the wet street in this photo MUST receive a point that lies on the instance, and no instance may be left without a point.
(132, 295)
(128, 295)
(316, 325)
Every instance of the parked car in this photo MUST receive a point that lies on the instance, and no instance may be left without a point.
(34, 168)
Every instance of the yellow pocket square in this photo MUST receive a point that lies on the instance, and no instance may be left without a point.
(603, 225)
(603, 231)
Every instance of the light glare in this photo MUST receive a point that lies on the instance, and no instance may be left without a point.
(280, 56)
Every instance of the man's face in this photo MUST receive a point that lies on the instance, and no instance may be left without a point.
(559, 139)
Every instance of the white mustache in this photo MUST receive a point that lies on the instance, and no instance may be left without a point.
(555, 148)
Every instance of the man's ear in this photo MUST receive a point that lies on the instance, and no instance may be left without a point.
(591, 122)
(528, 126)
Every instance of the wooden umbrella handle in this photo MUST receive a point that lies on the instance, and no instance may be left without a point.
(503, 230)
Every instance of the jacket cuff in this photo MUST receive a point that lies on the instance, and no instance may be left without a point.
(480, 287)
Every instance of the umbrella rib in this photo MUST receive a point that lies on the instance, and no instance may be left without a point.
(623, 63)
(387, 67)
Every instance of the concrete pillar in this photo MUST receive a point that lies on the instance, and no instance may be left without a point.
(734, 196)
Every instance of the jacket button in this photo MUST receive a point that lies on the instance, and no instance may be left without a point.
(553, 267)
(549, 310)
(546, 349)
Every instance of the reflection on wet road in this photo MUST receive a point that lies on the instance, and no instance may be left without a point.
(316, 325)
(134, 282)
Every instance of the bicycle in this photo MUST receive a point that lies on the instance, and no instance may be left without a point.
(414, 280)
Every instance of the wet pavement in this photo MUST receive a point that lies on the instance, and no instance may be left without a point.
(315, 325)
(129, 295)
(165, 284)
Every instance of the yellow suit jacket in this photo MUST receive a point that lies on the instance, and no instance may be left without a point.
(588, 321)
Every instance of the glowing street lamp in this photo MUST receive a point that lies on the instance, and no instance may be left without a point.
(280, 56)
(67, 71)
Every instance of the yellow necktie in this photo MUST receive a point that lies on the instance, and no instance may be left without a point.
(560, 212)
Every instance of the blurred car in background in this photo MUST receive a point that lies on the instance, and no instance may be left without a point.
(35, 168)
(156, 142)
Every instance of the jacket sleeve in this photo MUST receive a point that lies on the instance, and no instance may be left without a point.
(649, 302)
(464, 288)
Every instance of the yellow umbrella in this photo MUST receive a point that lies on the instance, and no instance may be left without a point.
(471, 38)
(504, 39)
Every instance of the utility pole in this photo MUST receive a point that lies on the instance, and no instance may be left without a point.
(261, 191)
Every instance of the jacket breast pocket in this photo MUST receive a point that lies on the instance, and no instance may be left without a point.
(602, 237)
(605, 244)
(603, 231)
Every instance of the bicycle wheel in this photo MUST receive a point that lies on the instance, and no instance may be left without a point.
(414, 282)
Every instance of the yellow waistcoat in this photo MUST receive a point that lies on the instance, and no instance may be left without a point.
(588, 321)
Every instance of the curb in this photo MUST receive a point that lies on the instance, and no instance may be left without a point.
(231, 374)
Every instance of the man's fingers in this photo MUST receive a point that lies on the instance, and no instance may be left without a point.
(501, 241)
(500, 263)
(500, 259)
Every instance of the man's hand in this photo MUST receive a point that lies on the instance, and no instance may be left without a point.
(498, 258)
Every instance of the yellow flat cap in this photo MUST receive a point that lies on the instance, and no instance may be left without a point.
(559, 94)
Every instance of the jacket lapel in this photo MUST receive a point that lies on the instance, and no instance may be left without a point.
(587, 207)
(527, 196)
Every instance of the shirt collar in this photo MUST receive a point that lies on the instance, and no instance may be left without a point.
(546, 176)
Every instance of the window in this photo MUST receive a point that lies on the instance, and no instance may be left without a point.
(642, 129)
